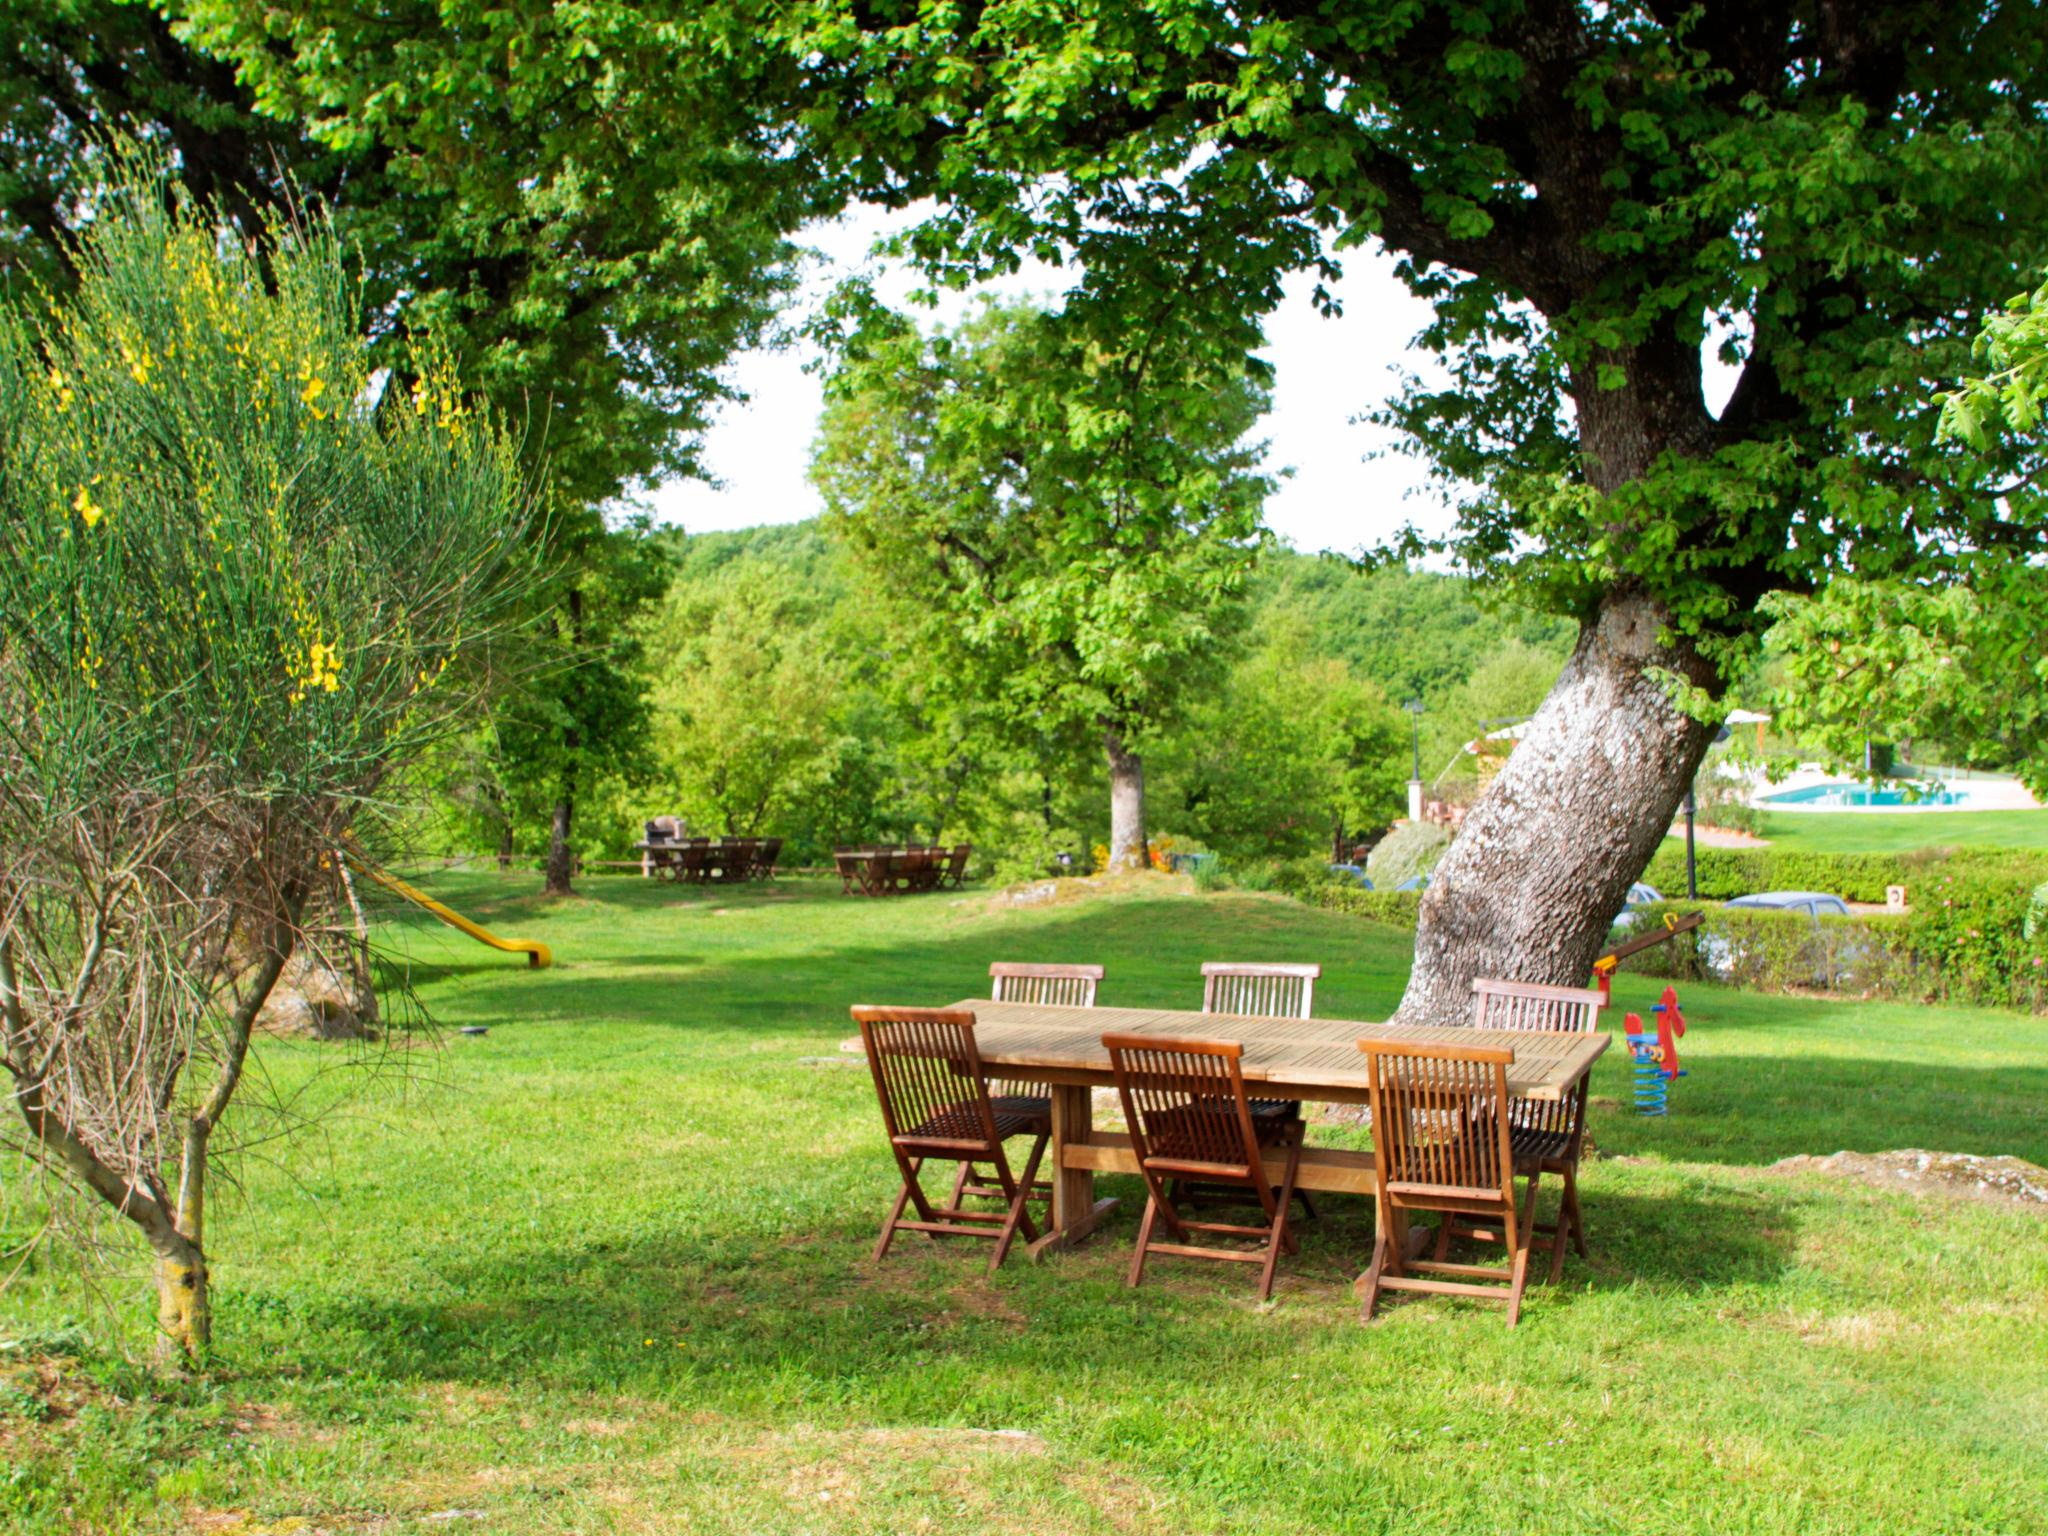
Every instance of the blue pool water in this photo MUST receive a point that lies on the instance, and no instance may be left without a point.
(1864, 794)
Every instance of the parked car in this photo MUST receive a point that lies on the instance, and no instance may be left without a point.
(1640, 894)
(1414, 883)
(1354, 872)
(1812, 903)
(1834, 963)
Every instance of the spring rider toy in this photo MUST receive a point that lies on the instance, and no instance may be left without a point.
(1656, 1055)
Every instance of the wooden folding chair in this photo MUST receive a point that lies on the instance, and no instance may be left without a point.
(877, 872)
(1269, 991)
(1441, 1143)
(1069, 986)
(935, 1104)
(1277, 991)
(1189, 1119)
(1550, 1133)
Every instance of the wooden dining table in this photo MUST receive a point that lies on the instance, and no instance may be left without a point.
(1317, 1060)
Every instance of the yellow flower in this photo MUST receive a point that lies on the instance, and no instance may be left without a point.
(138, 364)
(60, 386)
(314, 389)
(87, 508)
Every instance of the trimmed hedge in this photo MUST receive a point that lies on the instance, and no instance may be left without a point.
(1965, 940)
(1725, 873)
(1397, 908)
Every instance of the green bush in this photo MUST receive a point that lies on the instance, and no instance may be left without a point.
(1971, 931)
(1412, 848)
(1725, 873)
(1964, 940)
(1397, 908)
(1767, 951)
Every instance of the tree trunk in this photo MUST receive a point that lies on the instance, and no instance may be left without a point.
(1546, 857)
(561, 859)
(1126, 803)
(184, 1303)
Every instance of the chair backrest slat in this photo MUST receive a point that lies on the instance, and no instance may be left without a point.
(927, 1071)
(1535, 1006)
(1438, 1117)
(1268, 991)
(1184, 1100)
(1059, 986)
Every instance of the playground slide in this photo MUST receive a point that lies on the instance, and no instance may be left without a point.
(538, 956)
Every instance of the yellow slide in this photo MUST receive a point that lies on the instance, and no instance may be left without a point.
(538, 956)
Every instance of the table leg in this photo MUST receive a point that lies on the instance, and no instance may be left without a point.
(1075, 1210)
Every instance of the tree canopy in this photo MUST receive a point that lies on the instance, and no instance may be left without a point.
(1587, 194)
(1064, 523)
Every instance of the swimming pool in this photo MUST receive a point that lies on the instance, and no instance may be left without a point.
(1904, 797)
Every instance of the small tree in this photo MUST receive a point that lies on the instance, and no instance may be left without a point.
(1065, 519)
(241, 587)
(1292, 750)
(746, 688)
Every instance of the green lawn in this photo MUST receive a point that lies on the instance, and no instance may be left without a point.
(606, 1269)
(1904, 831)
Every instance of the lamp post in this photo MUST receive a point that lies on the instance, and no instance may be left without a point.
(1692, 884)
(1414, 708)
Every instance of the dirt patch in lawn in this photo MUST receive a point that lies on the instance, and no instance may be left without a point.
(2004, 1180)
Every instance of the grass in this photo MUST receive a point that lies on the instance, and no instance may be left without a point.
(605, 1269)
(1903, 831)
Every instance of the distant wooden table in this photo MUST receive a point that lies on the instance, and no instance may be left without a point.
(1313, 1059)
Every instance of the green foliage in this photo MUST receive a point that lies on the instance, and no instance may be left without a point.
(1287, 750)
(1062, 526)
(1888, 660)
(1415, 633)
(1411, 848)
(220, 554)
(747, 690)
(2015, 344)
(582, 201)
(1396, 909)
(1764, 951)
(1506, 685)
(1972, 931)
(1724, 873)
(1578, 190)
(1964, 940)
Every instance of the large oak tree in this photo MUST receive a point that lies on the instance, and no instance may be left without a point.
(1593, 197)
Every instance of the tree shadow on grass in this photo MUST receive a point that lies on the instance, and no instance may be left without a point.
(785, 1314)
(1155, 948)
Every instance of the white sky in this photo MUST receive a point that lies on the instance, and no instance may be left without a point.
(1326, 372)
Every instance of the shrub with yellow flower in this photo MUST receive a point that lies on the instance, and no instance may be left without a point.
(225, 567)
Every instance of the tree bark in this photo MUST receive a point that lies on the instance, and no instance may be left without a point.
(561, 858)
(1126, 803)
(1546, 857)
